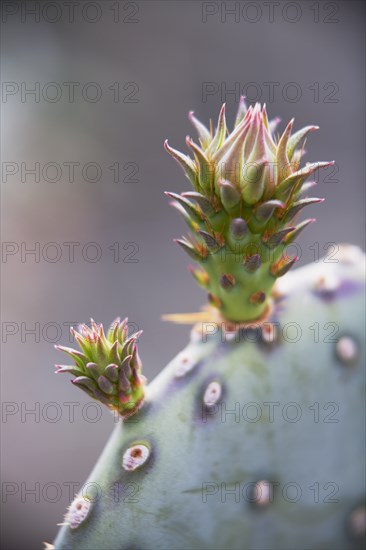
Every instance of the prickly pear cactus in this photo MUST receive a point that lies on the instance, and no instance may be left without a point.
(252, 437)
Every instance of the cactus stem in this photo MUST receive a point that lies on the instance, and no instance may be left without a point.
(232, 326)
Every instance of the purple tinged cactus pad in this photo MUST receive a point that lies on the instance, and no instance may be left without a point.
(253, 436)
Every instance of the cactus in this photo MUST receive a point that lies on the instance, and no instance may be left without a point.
(252, 437)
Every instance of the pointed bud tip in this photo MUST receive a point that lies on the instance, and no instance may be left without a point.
(264, 162)
(242, 102)
(238, 228)
(225, 183)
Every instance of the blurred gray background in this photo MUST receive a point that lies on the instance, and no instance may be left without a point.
(149, 62)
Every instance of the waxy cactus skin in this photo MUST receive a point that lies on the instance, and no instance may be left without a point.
(253, 436)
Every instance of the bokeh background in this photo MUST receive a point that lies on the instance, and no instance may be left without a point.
(150, 62)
